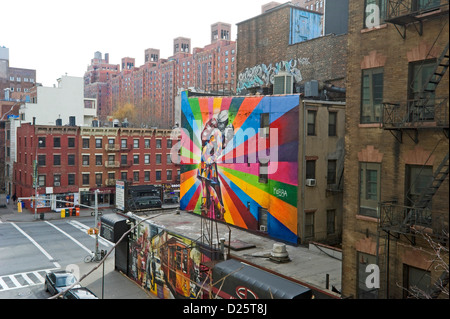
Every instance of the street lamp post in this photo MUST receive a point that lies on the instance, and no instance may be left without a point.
(36, 178)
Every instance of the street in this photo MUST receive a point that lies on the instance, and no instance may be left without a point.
(29, 249)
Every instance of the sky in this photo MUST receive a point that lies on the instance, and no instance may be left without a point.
(58, 37)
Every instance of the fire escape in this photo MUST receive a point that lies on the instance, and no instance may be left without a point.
(423, 112)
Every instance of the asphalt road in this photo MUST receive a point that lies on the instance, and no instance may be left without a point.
(30, 249)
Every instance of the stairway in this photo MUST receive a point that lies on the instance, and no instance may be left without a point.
(438, 177)
(438, 72)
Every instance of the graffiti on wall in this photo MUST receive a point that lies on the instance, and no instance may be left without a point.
(167, 265)
(263, 75)
(239, 161)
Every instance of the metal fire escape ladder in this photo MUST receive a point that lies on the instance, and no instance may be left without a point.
(419, 214)
(402, 13)
(424, 108)
(438, 73)
(438, 178)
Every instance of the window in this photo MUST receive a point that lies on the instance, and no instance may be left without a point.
(85, 160)
(332, 122)
(168, 159)
(85, 179)
(41, 142)
(41, 181)
(56, 159)
(419, 74)
(372, 95)
(147, 176)
(123, 159)
(71, 142)
(310, 169)
(331, 219)
(374, 13)
(135, 143)
(147, 143)
(365, 292)
(111, 159)
(136, 176)
(98, 160)
(123, 143)
(265, 124)
(85, 143)
(169, 175)
(415, 282)
(369, 191)
(123, 176)
(425, 4)
(158, 143)
(417, 180)
(158, 175)
(135, 159)
(169, 143)
(98, 143)
(41, 160)
(71, 159)
(309, 224)
(98, 179)
(56, 180)
(56, 142)
(146, 158)
(331, 172)
(312, 123)
(158, 158)
(263, 172)
(71, 179)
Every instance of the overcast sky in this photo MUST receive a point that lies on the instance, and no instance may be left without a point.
(55, 37)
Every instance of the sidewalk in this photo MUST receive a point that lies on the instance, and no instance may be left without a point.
(9, 213)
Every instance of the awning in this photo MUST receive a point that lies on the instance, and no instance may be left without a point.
(236, 280)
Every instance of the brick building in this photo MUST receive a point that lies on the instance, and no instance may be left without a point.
(96, 83)
(153, 86)
(14, 79)
(74, 161)
(275, 42)
(396, 166)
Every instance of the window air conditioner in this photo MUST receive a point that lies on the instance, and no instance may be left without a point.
(263, 228)
(57, 183)
(310, 182)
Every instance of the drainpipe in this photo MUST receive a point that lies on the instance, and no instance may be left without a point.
(303, 181)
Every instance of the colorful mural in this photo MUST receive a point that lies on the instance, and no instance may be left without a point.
(239, 161)
(166, 264)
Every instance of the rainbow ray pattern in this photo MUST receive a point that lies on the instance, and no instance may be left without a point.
(240, 191)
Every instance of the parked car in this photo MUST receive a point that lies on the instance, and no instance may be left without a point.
(57, 281)
(79, 293)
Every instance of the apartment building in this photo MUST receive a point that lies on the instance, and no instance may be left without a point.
(14, 79)
(73, 162)
(96, 83)
(153, 86)
(396, 165)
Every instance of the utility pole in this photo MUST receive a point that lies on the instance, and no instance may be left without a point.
(97, 253)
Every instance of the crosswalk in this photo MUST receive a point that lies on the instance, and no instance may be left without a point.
(21, 280)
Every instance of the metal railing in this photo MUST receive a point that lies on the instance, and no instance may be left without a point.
(417, 113)
(403, 219)
(396, 8)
